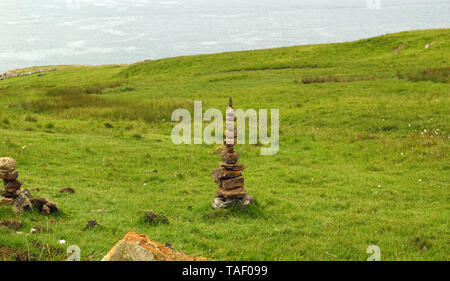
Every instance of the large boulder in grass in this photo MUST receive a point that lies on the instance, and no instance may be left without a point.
(138, 247)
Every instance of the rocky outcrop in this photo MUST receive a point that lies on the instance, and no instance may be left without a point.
(20, 73)
(138, 247)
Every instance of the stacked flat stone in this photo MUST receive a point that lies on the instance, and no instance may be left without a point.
(9, 174)
(228, 175)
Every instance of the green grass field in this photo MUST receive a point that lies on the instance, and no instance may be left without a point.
(363, 159)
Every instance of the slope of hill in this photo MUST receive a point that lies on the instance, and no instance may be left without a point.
(364, 138)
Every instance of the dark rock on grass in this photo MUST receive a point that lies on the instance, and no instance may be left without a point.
(44, 206)
(91, 224)
(67, 190)
(15, 225)
(154, 218)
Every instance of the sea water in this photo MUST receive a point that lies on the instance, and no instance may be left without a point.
(124, 31)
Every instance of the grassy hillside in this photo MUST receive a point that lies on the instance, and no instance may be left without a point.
(364, 140)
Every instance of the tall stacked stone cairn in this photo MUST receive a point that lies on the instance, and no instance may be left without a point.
(228, 175)
(9, 174)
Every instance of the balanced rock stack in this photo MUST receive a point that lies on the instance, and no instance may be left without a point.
(228, 175)
(9, 174)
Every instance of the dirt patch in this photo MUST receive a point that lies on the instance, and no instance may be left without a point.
(15, 225)
(154, 218)
(67, 190)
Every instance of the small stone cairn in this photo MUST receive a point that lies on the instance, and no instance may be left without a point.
(21, 200)
(228, 175)
(9, 174)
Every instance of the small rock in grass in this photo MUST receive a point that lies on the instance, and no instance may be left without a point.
(68, 190)
(91, 224)
(154, 218)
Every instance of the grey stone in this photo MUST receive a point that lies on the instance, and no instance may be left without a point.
(225, 203)
(22, 202)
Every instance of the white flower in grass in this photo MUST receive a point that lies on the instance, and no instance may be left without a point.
(62, 241)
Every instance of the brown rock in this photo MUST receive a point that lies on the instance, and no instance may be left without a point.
(13, 186)
(232, 183)
(9, 195)
(7, 165)
(231, 193)
(10, 176)
(230, 157)
(45, 210)
(234, 167)
(68, 190)
(225, 174)
(138, 247)
(228, 149)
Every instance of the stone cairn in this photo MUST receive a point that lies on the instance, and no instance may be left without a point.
(21, 199)
(228, 175)
(9, 174)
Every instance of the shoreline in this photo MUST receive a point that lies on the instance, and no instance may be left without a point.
(23, 69)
